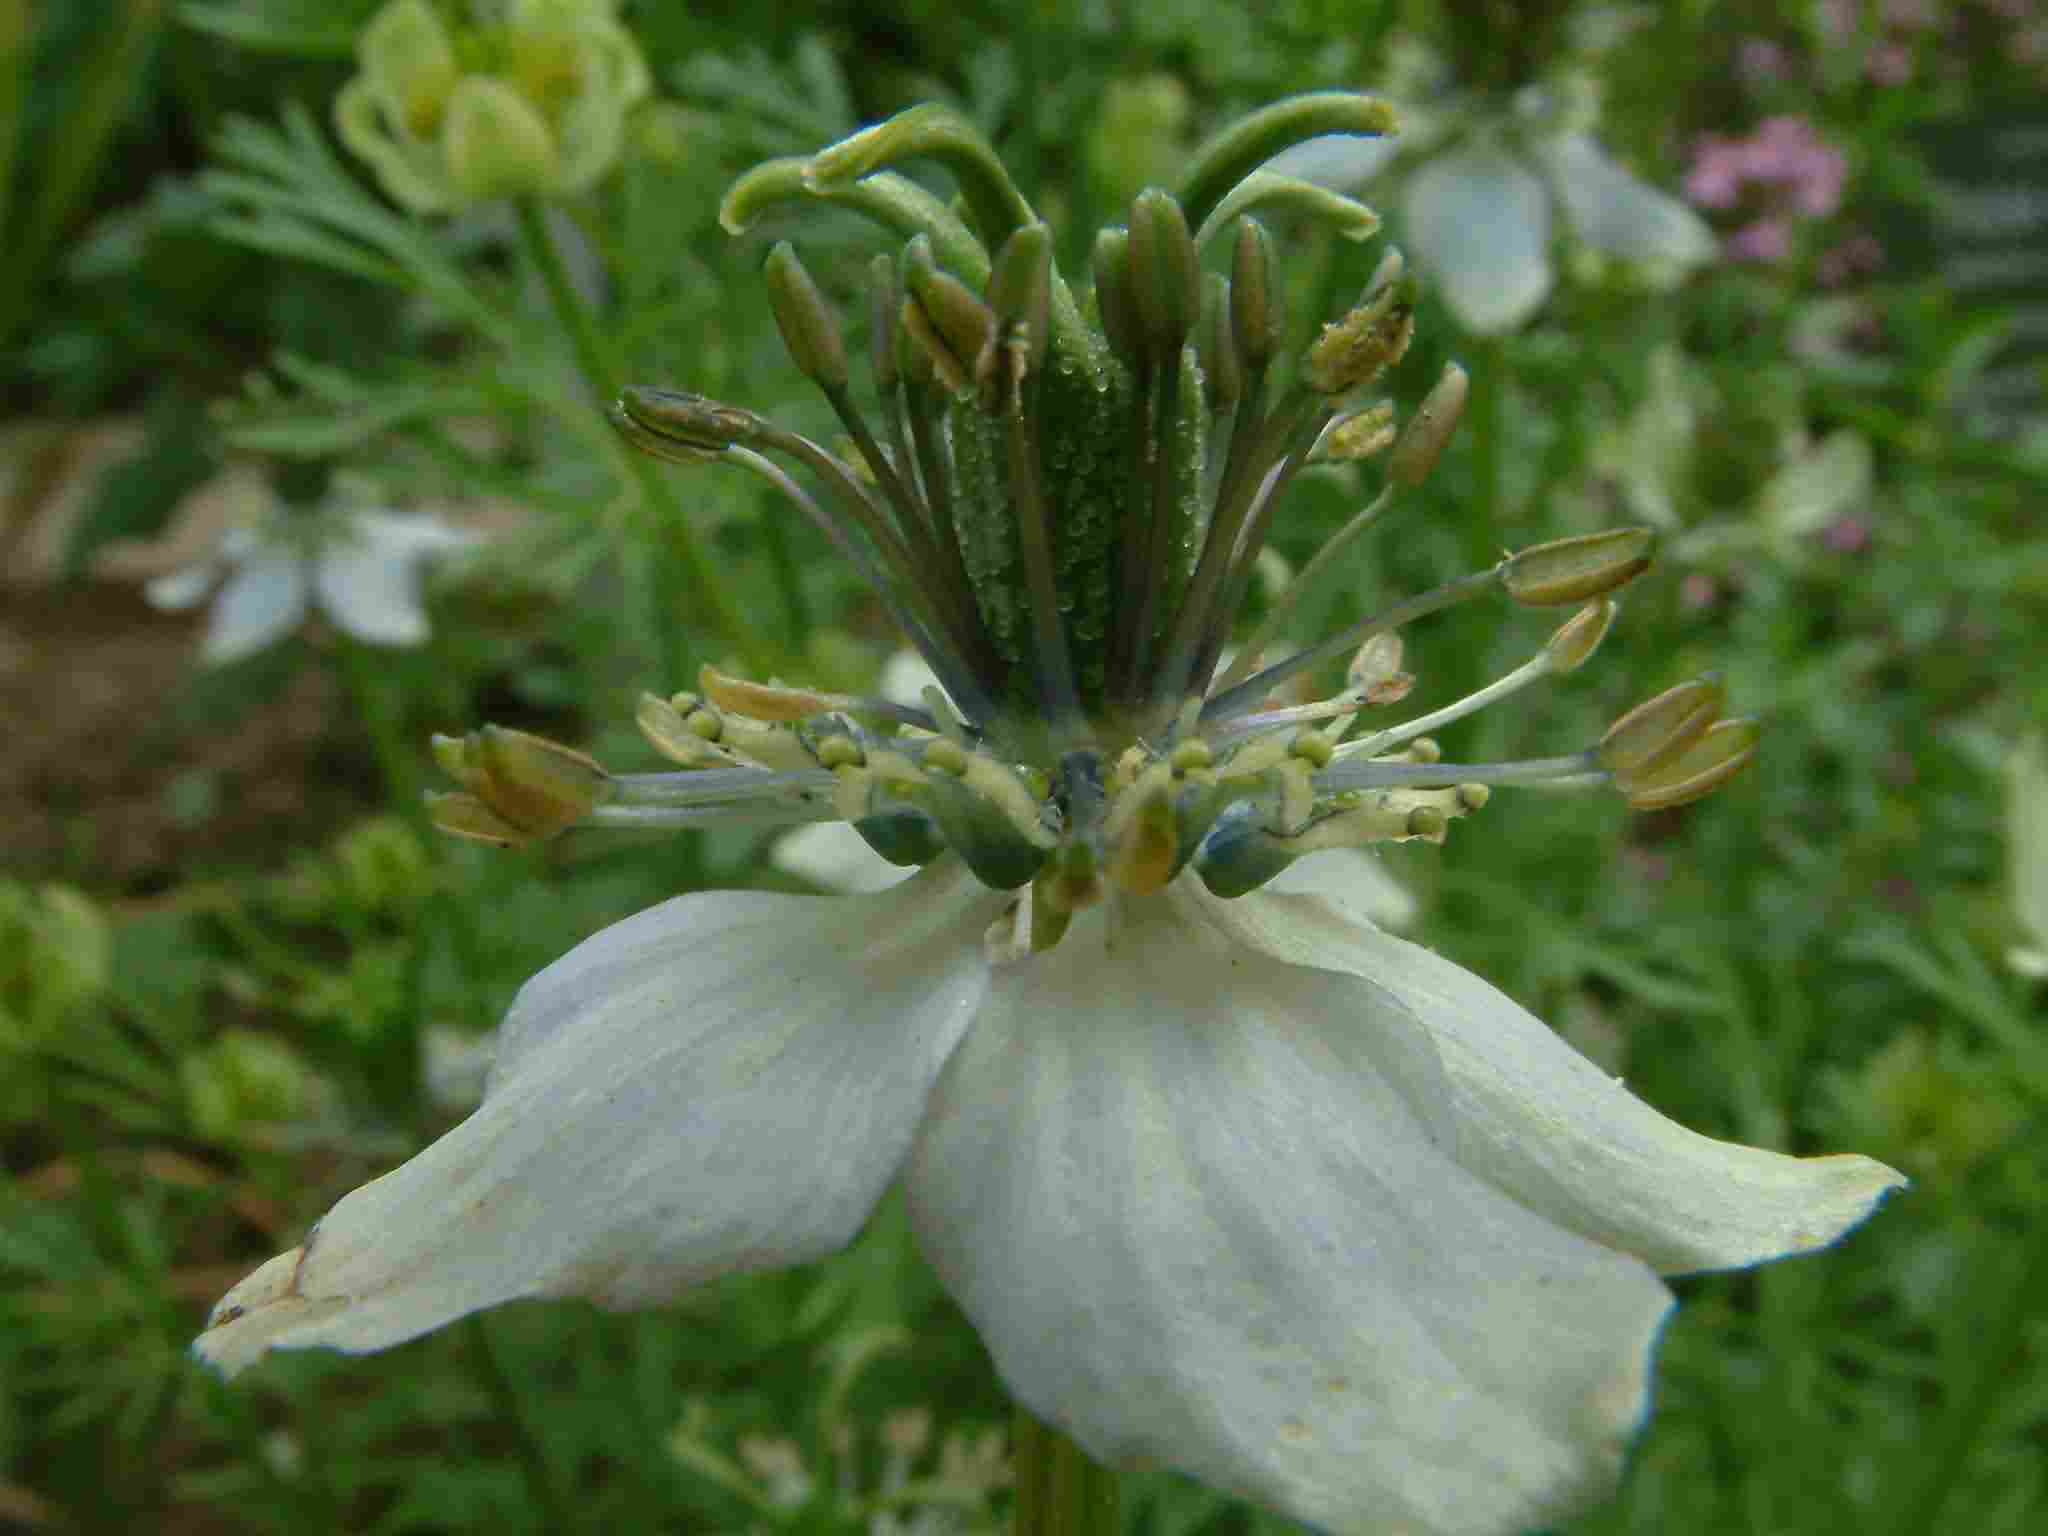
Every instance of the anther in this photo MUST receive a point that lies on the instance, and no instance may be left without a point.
(1365, 343)
(1572, 570)
(1657, 731)
(1580, 635)
(839, 752)
(1313, 747)
(1722, 752)
(810, 329)
(1256, 316)
(1427, 821)
(1429, 430)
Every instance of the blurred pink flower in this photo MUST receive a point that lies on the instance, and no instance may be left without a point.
(1759, 61)
(1766, 241)
(1846, 536)
(1782, 171)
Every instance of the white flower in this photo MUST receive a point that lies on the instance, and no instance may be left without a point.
(1227, 1177)
(1462, 1271)
(1477, 207)
(362, 569)
(2026, 852)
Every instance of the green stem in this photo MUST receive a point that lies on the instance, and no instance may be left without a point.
(1060, 1492)
(1483, 516)
(377, 708)
(1977, 1394)
(533, 1459)
(601, 373)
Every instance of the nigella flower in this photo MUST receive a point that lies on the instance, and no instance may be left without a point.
(530, 99)
(1482, 192)
(1229, 1179)
(362, 569)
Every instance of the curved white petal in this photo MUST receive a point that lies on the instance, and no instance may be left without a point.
(1352, 880)
(186, 587)
(1523, 1110)
(264, 597)
(905, 676)
(832, 855)
(418, 534)
(370, 583)
(1182, 1191)
(1479, 222)
(1343, 162)
(1615, 213)
(725, 1082)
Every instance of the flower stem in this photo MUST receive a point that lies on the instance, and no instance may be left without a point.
(1060, 1492)
(1487, 428)
(600, 372)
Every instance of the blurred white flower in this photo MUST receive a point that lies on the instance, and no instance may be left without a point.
(1478, 195)
(2026, 850)
(362, 569)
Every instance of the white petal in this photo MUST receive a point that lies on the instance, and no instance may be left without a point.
(1528, 1113)
(905, 676)
(724, 1083)
(370, 584)
(1480, 225)
(1352, 880)
(1343, 162)
(2026, 839)
(263, 598)
(1181, 1190)
(832, 855)
(1615, 213)
(187, 587)
(419, 534)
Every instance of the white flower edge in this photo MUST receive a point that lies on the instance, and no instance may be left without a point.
(2026, 851)
(1480, 223)
(371, 583)
(1246, 1188)
(367, 576)
(1619, 215)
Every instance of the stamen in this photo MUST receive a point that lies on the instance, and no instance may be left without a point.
(1244, 696)
(1580, 770)
(1284, 604)
(953, 672)
(1533, 670)
(708, 787)
(651, 818)
(1291, 451)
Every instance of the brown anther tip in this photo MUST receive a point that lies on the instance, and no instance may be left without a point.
(1720, 753)
(1657, 731)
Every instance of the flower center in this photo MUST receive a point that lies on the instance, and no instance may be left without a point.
(1062, 507)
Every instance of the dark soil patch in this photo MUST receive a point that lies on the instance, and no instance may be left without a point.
(124, 769)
